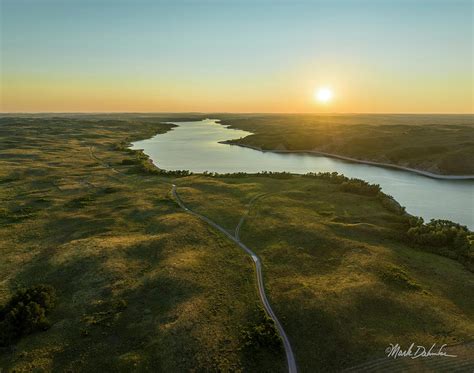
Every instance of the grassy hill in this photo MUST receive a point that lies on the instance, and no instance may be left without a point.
(140, 284)
(143, 286)
(338, 274)
(441, 144)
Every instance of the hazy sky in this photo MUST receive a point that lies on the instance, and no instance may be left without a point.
(241, 56)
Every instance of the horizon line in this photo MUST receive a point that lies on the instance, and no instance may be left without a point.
(234, 112)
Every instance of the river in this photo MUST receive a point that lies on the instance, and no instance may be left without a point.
(195, 146)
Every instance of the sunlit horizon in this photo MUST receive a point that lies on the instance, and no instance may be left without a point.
(394, 57)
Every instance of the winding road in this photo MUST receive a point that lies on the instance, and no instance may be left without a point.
(290, 358)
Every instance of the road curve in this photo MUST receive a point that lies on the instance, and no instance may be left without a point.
(290, 358)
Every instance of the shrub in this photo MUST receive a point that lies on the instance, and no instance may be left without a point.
(110, 190)
(391, 204)
(122, 146)
(358, 186)
(272, 174)
(353, 185)
(396, 276)
(128, 162)
(262, 335)
(144, 165)
(25, 313)
(443, 237)
(332, 177)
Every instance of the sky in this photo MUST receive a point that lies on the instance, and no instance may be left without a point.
(379, 56)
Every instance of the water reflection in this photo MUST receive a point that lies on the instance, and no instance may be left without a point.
(195, 146)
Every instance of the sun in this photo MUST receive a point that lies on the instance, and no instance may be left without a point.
(323, 95)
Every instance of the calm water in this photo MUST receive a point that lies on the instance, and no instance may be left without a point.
(195, 146)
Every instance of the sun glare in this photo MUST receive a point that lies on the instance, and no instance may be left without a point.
(323, 95)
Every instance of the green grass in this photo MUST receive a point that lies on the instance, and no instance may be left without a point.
(442, 144)
(339, 277)
(143, 286)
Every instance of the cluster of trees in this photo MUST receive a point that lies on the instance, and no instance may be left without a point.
(443, 237)
(277, 175)
(358, 186)
(177, 173)
(352, 185)
(143, 163)
(391, 204)
(129, 162)
(333, 177)
(216, 174)
(149, 168)
(139, 158)
(122, 146)
(439, 236)
(262, 335)
(25, 313)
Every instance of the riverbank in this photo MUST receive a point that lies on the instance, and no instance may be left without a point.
(354, 160)
(433, 144)
(194, 147)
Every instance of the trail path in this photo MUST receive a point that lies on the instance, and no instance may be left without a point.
(290, 358)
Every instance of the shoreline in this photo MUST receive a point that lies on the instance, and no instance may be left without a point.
(355, 160)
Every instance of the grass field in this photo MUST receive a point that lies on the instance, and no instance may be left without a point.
(441, 144)
(143, 286)
(337, 274)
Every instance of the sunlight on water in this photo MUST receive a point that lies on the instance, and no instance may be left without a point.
(195, 146)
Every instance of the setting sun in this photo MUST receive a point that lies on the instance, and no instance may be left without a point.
(323, 95)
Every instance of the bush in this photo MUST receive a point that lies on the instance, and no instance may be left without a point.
(332, 177)
(390, 204)
(144, 165)
(110, 190)
(443, 237)
(272, 174)
(128, 162)
(25, 313)
(358, 186)
(353, 185)
(262, 335)
(149, 168)
(395, 276)
(122, 146)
